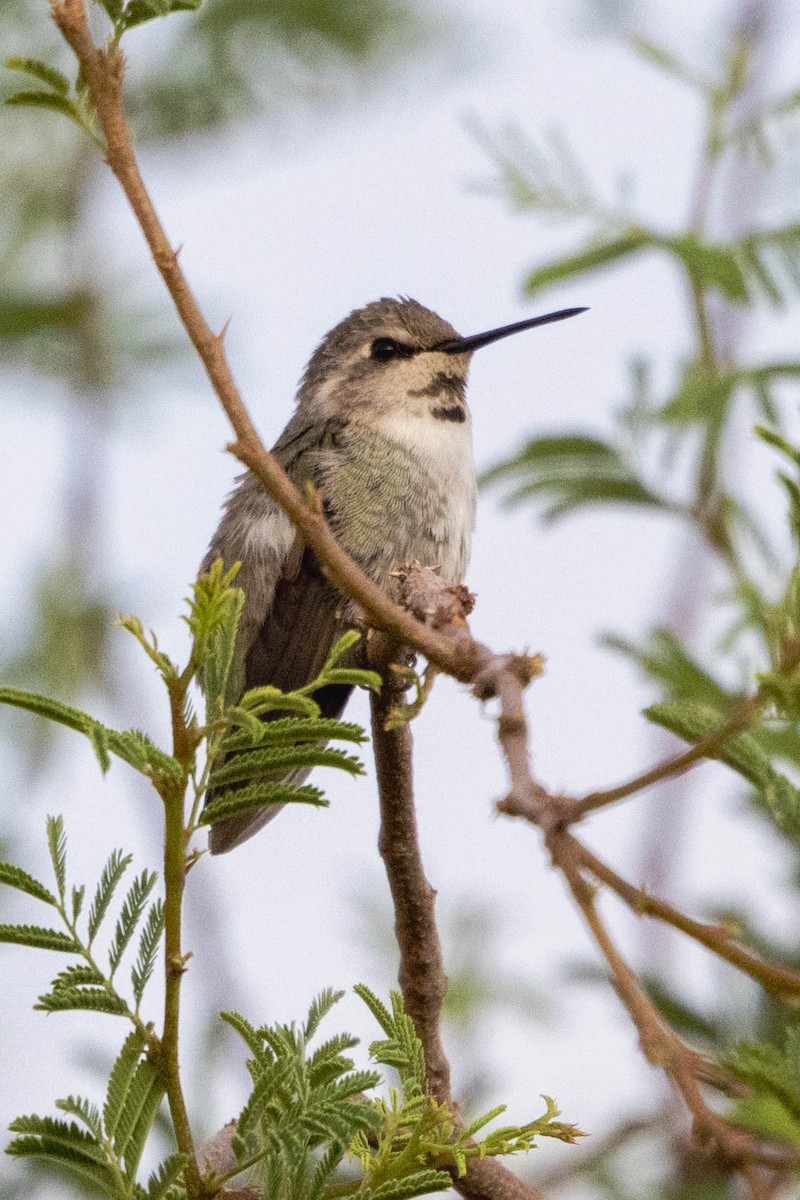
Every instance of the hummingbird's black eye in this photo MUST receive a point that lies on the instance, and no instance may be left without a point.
(385, 348)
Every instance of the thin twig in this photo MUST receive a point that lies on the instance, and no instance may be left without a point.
(705, 748)
(660, 1044)
(778, 980)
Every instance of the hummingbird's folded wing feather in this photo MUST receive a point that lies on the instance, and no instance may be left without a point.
(291, 616)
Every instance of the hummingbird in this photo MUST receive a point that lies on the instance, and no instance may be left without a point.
(382, 430)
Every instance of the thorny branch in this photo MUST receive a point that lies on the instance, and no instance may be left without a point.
(447, 644)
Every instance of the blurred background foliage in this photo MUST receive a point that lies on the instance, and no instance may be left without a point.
(730, 612)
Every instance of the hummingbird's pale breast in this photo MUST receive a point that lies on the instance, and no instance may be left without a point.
(402, 489)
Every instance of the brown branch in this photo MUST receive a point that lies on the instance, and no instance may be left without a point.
(421, 975)
(664, 1048)
(660, 1044)
(779, 981)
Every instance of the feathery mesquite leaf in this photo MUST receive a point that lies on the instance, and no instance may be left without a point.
(257, 795)
(132, 909)
(112, 873)
(256, 764)
(86, 999)
(148, 949)
(39, 938)
(17, 878)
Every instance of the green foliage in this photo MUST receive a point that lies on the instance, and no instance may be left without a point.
(130, 915)
(136, 12)
(131, 746)
(742, 753)
(77, 107)
(149, 941)
(568, 472)
(106, 1151)
(258, 54)
(83, 985)
(113, 871)
(772, 1106)
(307, 1114)
(417, 1131)
(214, 612)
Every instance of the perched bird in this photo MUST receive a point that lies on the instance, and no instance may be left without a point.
(383, 430)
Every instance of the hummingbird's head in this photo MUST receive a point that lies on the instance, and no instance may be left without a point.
(397, 356)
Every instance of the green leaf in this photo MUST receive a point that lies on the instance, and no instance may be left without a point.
(245, 1030)
(353, 676)
(401, 1049)
(776, 440)
(133, 625)
(271, 699)
(121, 1080)
(113, 8)
(770, 261)
(257, 795)
(419, 1183)
(139, 11)
(148, 950)
(40, 70)
(98, 736)
(664, 659)
(138, 751)
(340, 647)
(767, 1117)
(717, 267)
(772, 1072)
(39, 938)
(77, 1106)
(17, 878)
(75, 976)
(113, 872)
(599, 254)
(132, 909)
(665, 60)
(134, 1118)
(289, 731)
(376, 1006)
(741, 752)
(215, 611)
(57, 845)
(256, 764)
(701, 397)
(169, 1172)
(320, 1006)
(50, 100)
(83, 999)
(568, 471)
(132, 746)
(66, 1144)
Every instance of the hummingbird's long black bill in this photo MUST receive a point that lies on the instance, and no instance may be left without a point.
(468, 344)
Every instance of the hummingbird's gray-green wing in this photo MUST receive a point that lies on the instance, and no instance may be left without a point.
(287, 647)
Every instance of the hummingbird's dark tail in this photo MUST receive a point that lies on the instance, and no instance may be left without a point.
(289, 650)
